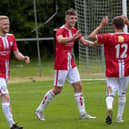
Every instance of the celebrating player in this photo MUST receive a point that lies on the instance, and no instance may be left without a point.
(116, 47)
(65, 67)
(7, 44)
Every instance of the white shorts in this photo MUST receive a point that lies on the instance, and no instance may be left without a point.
(71, 75)
(117, 85)
(3, 86)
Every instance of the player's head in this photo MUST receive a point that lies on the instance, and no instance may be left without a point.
(71, 11)
(118, 23)
(71, 17)
(4, 25)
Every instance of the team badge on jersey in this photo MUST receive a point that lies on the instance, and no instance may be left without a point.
(120, 39)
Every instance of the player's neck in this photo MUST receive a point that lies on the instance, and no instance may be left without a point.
(118, 30)
(2, 33)
(67, 26)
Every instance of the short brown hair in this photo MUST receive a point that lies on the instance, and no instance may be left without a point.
(2, 17)
(71, 11)
(118, 21)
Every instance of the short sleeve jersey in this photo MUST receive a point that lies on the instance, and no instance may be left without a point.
(116, 49)
(7, 44)
(64, 59)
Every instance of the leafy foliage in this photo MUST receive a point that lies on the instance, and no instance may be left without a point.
(21, 14)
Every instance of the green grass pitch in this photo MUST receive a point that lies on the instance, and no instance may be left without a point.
(62, 112)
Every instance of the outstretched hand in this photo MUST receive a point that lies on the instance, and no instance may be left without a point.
(76, 35)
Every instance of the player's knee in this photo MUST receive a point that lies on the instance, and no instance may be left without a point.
(5, 97)
(77, 88)
(57, 90)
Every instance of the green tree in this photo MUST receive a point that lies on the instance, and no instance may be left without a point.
(21, 16)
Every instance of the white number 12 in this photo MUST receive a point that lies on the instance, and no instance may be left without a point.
(124, 53)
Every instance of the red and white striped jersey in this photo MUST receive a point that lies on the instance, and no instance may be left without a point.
(7, 43)
(64, 59)
(116, 49)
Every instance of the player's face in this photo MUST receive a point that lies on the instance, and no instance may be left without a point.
(71, 20)
(4, 26)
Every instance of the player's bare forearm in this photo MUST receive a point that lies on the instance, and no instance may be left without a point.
(90, 43)
(19, 56)
(86, 42)
(96, 31)
(62, 39)
(93, 34)
(126, 20)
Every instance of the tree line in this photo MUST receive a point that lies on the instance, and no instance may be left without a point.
(22, 25)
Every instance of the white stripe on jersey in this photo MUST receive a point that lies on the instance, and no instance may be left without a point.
(121, 68)
(70, 36)
(7, 69)
(5, 46)
(5, 42)
(69, 61)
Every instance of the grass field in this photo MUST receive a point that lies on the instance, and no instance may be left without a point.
(22, 70)
(62, 113)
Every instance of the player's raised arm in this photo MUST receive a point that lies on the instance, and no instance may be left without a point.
(126, 20)
(103, 23)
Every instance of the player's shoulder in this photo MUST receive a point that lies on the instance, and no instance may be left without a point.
(73, 28)
(110, 34)
(126, 34)
(121, 34)
(61, 27)
(61, 30)
(105, 35)
(10, 34)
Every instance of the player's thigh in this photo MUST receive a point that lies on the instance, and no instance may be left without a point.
(112, 85)
(123, 85)
(73, 75)
(60, 77)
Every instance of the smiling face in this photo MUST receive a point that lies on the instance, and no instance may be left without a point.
(4, 25)
(70, 20)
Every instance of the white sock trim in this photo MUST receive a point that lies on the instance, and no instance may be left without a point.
(77, 94)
